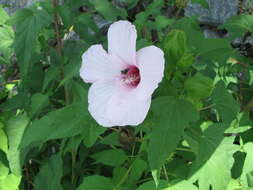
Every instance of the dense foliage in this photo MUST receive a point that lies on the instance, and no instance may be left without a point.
(198, 133)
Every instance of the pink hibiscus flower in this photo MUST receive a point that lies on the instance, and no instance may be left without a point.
(123, 80)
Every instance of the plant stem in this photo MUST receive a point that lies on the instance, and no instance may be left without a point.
(56, 27)
(165, 173)
(59, 46)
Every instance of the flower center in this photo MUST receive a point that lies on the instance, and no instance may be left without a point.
(130, 76)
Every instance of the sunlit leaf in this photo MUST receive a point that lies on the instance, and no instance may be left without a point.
(209, 167)
(15, 129)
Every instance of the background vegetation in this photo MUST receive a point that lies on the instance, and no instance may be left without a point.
(198, 134)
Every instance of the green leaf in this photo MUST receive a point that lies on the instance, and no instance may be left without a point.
(199, 86)
(138, 167)
(169, 127)
(65, 122)
(114, 157)
(247, 167)
(111, 139)
(3, 158)
(6, 40)
(38, 102)
(50, 174)
(214, 159)
(66, 15)
(91, 133)
(119, 173)
(4, 171)
(162, 22)
(238, 25)
(3, 15)
(51, 74)
(201, 2)
(173, 185)
(186, 60)
(15, 129)
(9, 182)
(28, 22)
(250, 179)
(3, 141)
(214, 49)
(233, 184)
(96, 183)
(174, 46)
(109, 12)
(224, 102)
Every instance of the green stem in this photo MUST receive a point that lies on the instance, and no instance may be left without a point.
(165, 173)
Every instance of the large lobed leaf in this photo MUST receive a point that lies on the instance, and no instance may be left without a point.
(225, 104)
(172, 116)
(65, 122)
(214, 161)
(15, 129)
(28, 22)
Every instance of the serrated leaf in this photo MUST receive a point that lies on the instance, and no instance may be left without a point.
(175, 46)
(65, 122)
(224, 102)
(96, 183)
(214, 161)
(162, 22)
(50, 174)
(28, 22)
(169, 127)
(114, 157)
(240, 24)
(15, 129)
(199, 86)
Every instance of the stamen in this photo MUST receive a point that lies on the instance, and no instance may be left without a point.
(130, 76)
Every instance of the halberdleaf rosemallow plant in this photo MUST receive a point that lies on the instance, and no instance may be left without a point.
(123, 80)
(198, 135)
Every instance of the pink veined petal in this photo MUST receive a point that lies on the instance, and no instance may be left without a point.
(98, 65)
(122, 41)
(125, 109)
(99, 96)
(150, 61)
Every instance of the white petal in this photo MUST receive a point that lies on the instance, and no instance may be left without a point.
(98, 97)
(127, 110)
(98, 65)
(110, 104)
(122, 41)
(150, 61)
